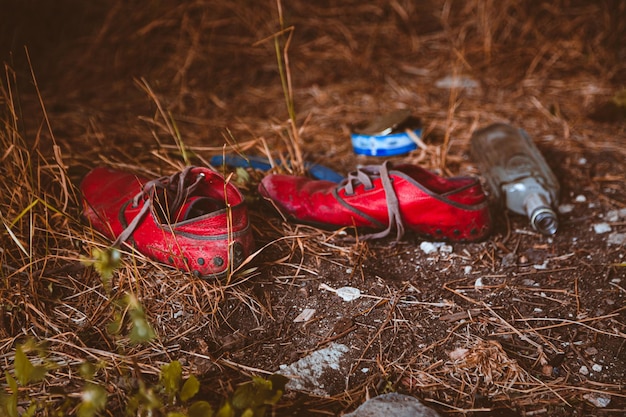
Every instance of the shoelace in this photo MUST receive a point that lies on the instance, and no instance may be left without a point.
(173, 185)
(366, 176)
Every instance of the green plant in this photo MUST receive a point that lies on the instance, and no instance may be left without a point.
(25, 372)
(172, 397)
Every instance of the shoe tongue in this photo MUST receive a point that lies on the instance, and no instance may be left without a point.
(198, 206)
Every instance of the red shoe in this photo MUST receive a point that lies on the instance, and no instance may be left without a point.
(376, 197)
(191, 220)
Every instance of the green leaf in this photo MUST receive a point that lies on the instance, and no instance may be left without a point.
(242, 178)
(144, 399)
(30, 412)
(23, 367)
(94, 399)
(87, 370)
(115, 327)
(171, 377)
(249, 413)
(9, 402)
(226, 411)
(200, 409)
(141, 331)
(25, 371)
(105, 262)
(190, 389)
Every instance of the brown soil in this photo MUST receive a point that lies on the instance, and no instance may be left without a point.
(547, 307)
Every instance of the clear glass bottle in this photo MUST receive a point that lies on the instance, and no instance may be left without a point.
(517, 174)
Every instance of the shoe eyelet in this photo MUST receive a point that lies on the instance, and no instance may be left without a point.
(218, 261)
(456, 232)
(438, 231)
(238, 255)
(196, 273)
(473, 231)
(170, 259)
(200, 261)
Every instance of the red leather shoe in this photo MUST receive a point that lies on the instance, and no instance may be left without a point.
(191, 220)
(385, 197)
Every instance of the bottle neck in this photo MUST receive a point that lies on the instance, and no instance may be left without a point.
(542, 218)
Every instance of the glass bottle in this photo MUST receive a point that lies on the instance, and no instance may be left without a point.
(517, 174)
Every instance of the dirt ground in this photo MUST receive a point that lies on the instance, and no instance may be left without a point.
(520, 324)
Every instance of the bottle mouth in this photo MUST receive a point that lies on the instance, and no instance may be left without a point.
(544, 220)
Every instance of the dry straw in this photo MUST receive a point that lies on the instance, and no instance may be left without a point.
(152, 89)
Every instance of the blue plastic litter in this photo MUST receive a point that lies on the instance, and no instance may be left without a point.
(317, 171)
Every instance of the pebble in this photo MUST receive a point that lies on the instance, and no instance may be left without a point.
(566, 208)
(306, 374)
(617, 239)
(600, 228)
(596, 367)
(599, 400)
(615, 215)
(583, 370)
(433, 247)
(456, 82)
(580, 198)
(393, 405)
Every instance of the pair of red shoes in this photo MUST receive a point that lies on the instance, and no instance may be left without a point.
(196, 221)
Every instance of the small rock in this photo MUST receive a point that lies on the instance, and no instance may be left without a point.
(599, 400)
(615, 215)
(566, 208)
(467, 269)
(509, 260)
(617, 239)
(600, 228)
(591, 351)
(456, 82)
(310, 373)
(393, 405)
(432, 247)
(583, 370)
(446, 249)
(428, 247)
(596, 367)
(478, 284)
(580, 198)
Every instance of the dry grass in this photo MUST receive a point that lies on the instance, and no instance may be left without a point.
(153, 89)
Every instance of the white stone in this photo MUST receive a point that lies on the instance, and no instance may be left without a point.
(580, 198)
(596, 367)
(428, 247)
(456, 82)
(478, 284)
(566, 208)
(583, 370)
(305, 374)
(616, 239)
(393, 405)
(599, 400)
(600, 228)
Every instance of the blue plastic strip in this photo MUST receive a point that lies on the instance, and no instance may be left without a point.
(317, 171)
